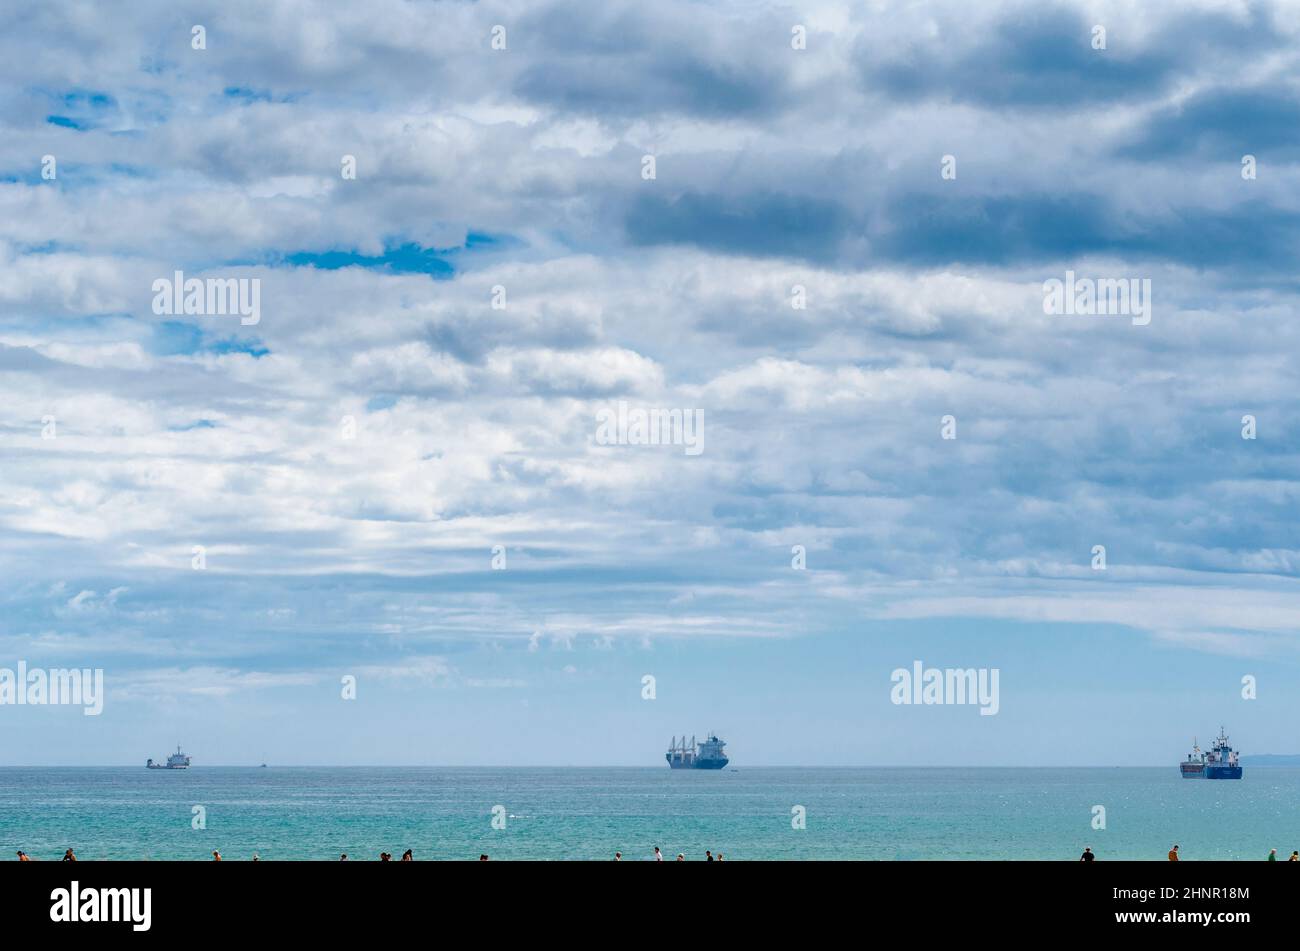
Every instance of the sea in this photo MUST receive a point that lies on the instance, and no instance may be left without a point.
(746, 814)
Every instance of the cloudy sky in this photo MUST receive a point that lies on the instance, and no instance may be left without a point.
(349, 462)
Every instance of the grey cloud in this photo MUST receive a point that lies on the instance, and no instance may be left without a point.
(1040, 57)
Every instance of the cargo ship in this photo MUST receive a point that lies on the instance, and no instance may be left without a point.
(1220, 763)
(1194, 766)
(177, 760)
(706, 755)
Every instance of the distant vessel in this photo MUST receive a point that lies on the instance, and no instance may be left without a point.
(706, 755)
(1194, 766)
(177, 760)
(1220, 763)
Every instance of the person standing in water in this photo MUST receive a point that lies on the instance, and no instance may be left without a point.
(216, 856)
(659, 856)
(1272, 855)
(407, 856)
(1173, 854)
(68, 856)
(1087, 855)
(22, 856)
(618, 856)
(708, 856)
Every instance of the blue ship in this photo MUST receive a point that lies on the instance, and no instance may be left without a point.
(1220, 763)
(706, 755)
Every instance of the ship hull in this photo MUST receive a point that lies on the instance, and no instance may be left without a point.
(700, 764)
(1197, 773)
(1223, 772)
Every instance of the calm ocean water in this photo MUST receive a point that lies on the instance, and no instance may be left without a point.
(586, 813)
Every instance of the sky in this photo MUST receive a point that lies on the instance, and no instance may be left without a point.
(823, 229)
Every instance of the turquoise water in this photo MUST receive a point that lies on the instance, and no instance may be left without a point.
(587, 813)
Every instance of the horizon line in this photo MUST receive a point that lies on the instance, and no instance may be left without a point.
(618, 765)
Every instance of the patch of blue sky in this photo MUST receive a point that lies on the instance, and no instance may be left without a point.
(248, 95)
(227, 345)
(481, 240)
(69, 326)
(197, 424)
(83, 99)
(175, 337)
(78, 109)
(178, 338)
(481, 248)
(78, 176)
(72, 175)
(406, 257)
(29, 175)
(48, 247)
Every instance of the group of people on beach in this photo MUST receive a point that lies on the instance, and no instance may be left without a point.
(68, 856)
(1088, 855)
(408, 856)
(681, 856)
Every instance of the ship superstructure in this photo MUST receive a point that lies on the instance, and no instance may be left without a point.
(706, 755)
